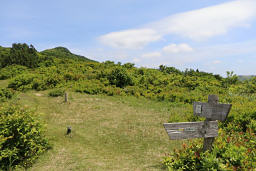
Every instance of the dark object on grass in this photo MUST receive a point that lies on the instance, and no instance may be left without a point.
(69, 130)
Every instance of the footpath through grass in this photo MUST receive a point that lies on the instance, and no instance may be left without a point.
(108, 133)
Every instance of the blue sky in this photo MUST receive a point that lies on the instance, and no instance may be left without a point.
(211, 35)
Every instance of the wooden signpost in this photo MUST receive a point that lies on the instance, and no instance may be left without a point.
(186, 130)
(207, 129)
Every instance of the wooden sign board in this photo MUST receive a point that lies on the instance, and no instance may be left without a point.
(212, 111)
(187, 130)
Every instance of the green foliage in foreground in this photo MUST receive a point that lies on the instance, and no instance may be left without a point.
(235, 151)
(21, 137)
(6, 94)
(234, 148)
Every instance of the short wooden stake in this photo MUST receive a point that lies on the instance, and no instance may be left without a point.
(66, 97)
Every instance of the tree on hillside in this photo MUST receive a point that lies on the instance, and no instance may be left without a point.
(169, 70)
(22, 54)
(4, 52)
(120, 77)
(231, 78)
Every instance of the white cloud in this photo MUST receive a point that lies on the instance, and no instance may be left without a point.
(130, 39)
(208, 22)
(168, 50)
(197, 25)
(219, 56)
(151, 55)
(216, 62)
(173, 53)
(177, 48)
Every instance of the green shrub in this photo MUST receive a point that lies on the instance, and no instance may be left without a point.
(89, 87)
(120, 77)
(56, 92)
(52, 80)
(6, 94)
(12, 71)
(233, 151)
(112, 90)
(46, 81)
(22, 82)
(21, 137)
(133, 90)
(69, 76)
(38, 82)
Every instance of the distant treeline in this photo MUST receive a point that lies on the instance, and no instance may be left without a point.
(59, 68)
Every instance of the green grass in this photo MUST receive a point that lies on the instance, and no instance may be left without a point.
(108, 133)
(3, 83)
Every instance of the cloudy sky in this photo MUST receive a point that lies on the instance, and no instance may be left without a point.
(210, 35)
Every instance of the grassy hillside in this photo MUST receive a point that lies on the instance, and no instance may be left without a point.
(116, 112)
(108, 133)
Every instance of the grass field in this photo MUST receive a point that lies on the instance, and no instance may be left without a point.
(108, 133)
(3, 83)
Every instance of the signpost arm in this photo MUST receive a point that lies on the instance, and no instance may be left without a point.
(212, 99)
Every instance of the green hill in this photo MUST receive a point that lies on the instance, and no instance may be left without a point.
(62, 52)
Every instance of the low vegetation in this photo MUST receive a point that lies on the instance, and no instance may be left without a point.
(56, 92)
(56, 70)
(21, 137)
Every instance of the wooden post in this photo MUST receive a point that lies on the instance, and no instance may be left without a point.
(212, 100)
(66, 97)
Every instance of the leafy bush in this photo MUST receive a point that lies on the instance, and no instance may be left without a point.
(132, 90)
(112, 90)
(229, 153)
(89, 87)
(6, 94)
(241, 122)
(12, 71)
(38, 82)
(120, 77)
(247, 87)
(21, 137)
(22, 82)
(56, 92)
(72, 76)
